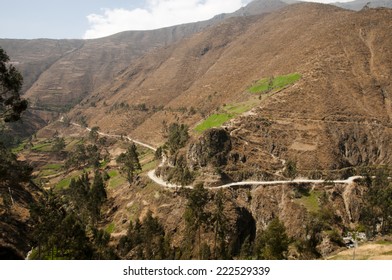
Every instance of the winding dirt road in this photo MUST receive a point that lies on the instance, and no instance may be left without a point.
(151, 174)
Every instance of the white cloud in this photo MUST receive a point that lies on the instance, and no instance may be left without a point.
(157, 14)
(162, 13)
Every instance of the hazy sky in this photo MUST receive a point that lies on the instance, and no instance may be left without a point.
(29, 19)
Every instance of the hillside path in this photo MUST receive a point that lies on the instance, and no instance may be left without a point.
(158, 180)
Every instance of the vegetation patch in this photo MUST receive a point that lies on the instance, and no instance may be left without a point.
(19, 148)
(215, 120)
(116, 179)
(64, 183)
(113, 173)
(311, 201)
(72, 144)
(53, 166)
(239, 108)
(110, 228)
(149, 165)
(42, 147)
(274, 83)
(227, 113)
(134, 210)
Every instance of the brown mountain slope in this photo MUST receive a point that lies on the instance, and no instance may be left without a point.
(360, 4)
(337, 115)
(60, 73)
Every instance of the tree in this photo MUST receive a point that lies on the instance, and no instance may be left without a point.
(93, 155)
(58, 233)
(220, 222)
(291, 169)
(13, 176)
(77, 157)
(11, 104)
(181, 173)
(178, 136)
(130, 162)
(195, 214)
(58, 145)
(377, 208)
(84, 155)
(272, 244)
(97, 196)
(94, 134)
(146, 240)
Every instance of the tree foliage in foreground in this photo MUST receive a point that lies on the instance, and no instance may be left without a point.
(11, 104)
(377, 210)
(146, 240)
(65, 222)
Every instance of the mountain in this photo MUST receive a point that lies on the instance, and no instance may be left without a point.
(330, 122)
(360, 4)
(342, 56)
(58, 74)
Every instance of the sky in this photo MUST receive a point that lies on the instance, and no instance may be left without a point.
(87, 19)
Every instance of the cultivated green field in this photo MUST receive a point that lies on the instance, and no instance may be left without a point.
(265, 85)
(311, 201)
(274, 83)
(227, 113)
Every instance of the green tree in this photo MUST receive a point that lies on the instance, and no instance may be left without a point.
(14, 175)
(94, 134)
(97, 196)
(84, 155)
(58, 145)
(181, 173)
(307, 247)
(101, 243)
(77, 157)
(158, 153)
(146, 240)
(272, 244)
(11, 104)
(377, 208)
(196, 215)
(220, 222)
(246, 251)
(130, 162)
(291, 169)
(58, 234)
(177, 137)
(93, 155)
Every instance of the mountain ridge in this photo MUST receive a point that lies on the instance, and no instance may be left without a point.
(56, 82)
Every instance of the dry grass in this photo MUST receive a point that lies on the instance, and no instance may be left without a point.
(367, 251)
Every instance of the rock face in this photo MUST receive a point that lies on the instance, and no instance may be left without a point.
(212, 148)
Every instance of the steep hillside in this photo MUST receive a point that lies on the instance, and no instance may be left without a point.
(336, 116)
(339, 114)
(302, 91)
(60, 73)
(360, 4)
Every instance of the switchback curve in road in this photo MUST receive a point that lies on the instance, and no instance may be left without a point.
(158, 180)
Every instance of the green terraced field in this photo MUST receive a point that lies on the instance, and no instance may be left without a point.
(274, 83)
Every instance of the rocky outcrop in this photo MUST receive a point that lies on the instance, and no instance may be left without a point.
(212, 148)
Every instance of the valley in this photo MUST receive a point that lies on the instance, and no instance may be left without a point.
(201, 141)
